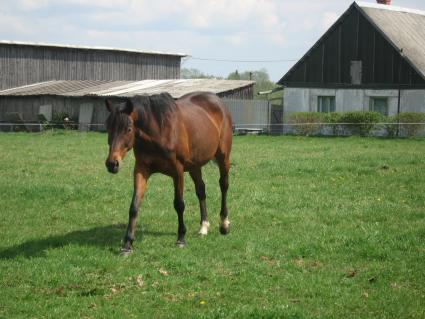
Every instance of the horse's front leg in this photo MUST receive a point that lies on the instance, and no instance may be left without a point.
(179, 206)
(141, 176)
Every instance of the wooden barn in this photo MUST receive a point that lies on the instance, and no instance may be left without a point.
(26, 63)
(47, 81)
(372, 58)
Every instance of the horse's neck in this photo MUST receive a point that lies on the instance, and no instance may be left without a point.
(159, 134)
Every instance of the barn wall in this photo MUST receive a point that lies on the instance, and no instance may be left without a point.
(253, 114)
(25, 64)
(346, 100)
(246, 93)
(28, 107)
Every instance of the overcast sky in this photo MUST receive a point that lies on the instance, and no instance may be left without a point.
(255, 30)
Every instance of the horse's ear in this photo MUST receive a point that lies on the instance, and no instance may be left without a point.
(128, 107)
(109, 105)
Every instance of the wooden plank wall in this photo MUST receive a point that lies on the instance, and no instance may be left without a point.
(25, 64)
(246, 93)
(28, 107)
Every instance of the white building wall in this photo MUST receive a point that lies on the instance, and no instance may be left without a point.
(296, 100)
(413, 101)
(346, 100)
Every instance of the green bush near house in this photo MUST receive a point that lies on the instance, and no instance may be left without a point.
(360, 122)
(334, 118)
(306, 123)
(410, 124)
(390, 126)
(357, 123)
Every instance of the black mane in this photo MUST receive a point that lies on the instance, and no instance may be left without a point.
(158, 105)
(118, 120)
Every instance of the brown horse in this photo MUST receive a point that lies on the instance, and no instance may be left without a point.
(170, 137)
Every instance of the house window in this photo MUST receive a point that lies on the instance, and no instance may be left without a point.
(356, 72)
(379, 104)
(326, 104)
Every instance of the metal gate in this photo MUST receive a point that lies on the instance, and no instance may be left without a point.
(276, 117)
(250, 115)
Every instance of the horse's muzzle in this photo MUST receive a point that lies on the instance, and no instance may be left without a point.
(112, 166)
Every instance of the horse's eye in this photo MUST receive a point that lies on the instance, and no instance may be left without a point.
(129, 130)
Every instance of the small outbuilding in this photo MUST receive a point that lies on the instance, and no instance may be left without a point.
(371, 59)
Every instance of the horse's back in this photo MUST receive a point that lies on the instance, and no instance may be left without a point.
(207, 101)
(204, 106)
(207, 123)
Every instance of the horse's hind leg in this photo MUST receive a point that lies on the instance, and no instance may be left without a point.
(179, 207)
(196, 175)
(223, 162)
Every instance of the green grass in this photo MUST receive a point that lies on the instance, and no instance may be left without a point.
(320, 228)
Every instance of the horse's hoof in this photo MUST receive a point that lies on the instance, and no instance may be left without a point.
(125, 252)
(224, 230)
(180, 243)
(204, 228)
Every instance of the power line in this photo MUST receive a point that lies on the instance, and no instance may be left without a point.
(242, 61)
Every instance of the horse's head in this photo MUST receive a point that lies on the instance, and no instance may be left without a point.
(121, 133)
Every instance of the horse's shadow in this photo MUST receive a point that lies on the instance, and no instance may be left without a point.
(106, 237)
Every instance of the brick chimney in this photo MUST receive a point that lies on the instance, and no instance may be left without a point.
(387, 2)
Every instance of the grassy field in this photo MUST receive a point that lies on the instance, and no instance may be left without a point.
(321, 228)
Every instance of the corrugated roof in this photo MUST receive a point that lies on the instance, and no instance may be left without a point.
(403, 28)
(176, 88)
(69, 46)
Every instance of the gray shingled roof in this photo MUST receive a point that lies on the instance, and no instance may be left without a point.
(403, 28)
(176, 88)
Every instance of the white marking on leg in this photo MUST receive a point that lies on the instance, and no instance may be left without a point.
(225, 223)
(204, 228)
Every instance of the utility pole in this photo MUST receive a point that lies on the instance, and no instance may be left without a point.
(399, 92)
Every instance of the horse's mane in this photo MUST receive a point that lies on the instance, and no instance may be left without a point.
(158, 105)
(118, 120)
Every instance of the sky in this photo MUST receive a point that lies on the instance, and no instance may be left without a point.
(221, 36)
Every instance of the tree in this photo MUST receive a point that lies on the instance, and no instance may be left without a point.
(234, 76)
(261, 78)
(195, 74)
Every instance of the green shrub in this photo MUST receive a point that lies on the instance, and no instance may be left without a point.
(333, 118)
(390, 126)
(309, 122)
(361, 122)
(409, 121)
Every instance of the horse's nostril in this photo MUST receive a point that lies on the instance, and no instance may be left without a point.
(112, 166)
